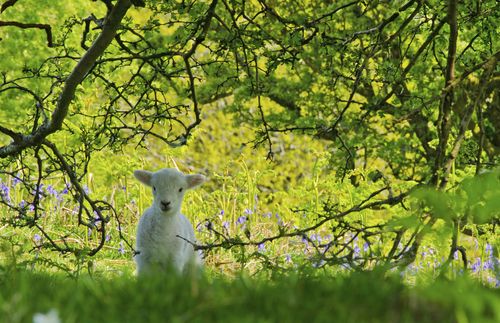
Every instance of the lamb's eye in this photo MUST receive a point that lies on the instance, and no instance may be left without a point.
(154, 189)
(180, 189)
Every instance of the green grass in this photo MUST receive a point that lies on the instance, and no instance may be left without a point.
(359, 297)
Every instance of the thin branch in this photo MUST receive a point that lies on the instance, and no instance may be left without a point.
(228, 244)
(47, 28)
(7, 4)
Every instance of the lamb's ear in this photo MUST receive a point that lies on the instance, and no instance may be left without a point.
(143, 176)
(195, 180)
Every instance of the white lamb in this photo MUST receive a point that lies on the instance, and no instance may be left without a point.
(163, 232)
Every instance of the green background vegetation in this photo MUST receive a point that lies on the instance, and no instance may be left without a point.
(353, 169)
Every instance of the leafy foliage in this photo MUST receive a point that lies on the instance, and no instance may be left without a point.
(361, 297)
(358, 103)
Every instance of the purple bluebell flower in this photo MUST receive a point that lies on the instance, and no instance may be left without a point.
(476, 265)
(305, 241)
(357, 251)
(280, 221)
(366, 246)
(225, 224)
(15, 180)
(37, 238)
(38, 191)
(488, 264)
(121, 250)
(5, 192)
(209, 225)
(124, 188)
(52, 191)
(288, 258)
(489, 250)
(262, 247)
(86, 189)
(221, 212)
(66, 188)
(248, 211)
(108, 237)
(241, 220)
(267, 215)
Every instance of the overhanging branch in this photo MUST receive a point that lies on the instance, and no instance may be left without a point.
(111, 25)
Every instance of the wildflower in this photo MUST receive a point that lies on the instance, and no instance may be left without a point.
(280, 221)
(248, 211)
(241, 220)
(208, 225)
(288, 258)
(305, 241)
(476, 265)
(357, 251)
(15, 180)
(489, 250)
(37, 238)
(488, 264)
(124, 188)
(51, 190)
(121, 250)
(225, 224)
(86, 189)
(5, 192)
(262, 247)
(38, 191)
(51, 316)
(267, 215)
(366, 246)
(221, 212)
(108, 237)
(66, 188)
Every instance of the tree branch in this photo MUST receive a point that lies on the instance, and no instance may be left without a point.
(443, 123)
(78, 74)
(47, 28)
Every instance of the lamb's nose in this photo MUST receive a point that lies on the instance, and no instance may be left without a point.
(165, 205)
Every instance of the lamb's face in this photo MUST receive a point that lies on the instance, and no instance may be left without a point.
(168, 186)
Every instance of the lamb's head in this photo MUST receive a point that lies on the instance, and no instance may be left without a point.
(169, 186)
